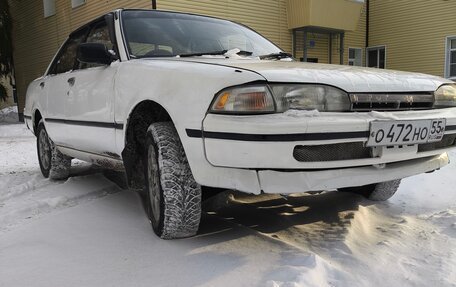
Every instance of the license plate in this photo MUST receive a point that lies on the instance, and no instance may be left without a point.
(388, 133)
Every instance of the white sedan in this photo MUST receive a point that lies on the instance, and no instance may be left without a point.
(183, 103)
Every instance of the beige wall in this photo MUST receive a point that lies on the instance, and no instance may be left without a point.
(414, 32)
(335, 14)
(353, 39)
(319, 51)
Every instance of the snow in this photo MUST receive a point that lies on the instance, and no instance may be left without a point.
(382, 115)
(86, 231)
(301, 113)
(9, 115)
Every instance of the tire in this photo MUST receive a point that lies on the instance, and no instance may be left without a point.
(53, 163)
(173, 196)
(376, 192)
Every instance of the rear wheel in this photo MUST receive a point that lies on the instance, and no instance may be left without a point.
(174, 198)
(377, 192)
(53, 163)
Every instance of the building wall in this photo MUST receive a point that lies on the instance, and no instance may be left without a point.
(352, 39)
(319, 51)
(414, 32)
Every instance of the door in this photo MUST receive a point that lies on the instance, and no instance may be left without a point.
(89, 101)
(55, 86)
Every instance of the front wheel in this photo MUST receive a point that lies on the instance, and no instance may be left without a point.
(53, 163)
(377, 192)
(174, 198)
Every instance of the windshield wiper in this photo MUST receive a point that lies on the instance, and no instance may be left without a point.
(214, 53)
(279, 55)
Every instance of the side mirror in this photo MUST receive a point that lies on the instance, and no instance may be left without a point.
(94, 53)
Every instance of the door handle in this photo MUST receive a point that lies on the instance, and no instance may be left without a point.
(71, 81)
(42, 84)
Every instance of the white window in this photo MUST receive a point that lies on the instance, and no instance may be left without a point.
(49, 8)
(450, 59)
(376, 57)
(355, 56)
(77, 3)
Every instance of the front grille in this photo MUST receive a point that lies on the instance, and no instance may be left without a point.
(391, 102)
(331, 152)
(447, 141)
(355, 150)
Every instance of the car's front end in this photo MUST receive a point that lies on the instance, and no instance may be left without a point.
(343, 127)
(251, 118)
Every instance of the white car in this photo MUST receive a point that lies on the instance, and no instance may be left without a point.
(181, 101)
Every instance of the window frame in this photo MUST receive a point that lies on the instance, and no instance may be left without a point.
(76, 5)
(48, 4)
(448, 50)
(378, 48)
(354, 59)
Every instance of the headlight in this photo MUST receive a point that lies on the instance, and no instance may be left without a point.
(261, 98)
(310, 97)
(244, 100)
(445, 96)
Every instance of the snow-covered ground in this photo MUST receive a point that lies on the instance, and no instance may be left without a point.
(9, 115)
(87, 231)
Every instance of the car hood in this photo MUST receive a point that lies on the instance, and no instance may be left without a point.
(348, 78)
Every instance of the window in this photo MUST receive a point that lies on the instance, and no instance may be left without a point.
(66, 58)
(450, 59)
(98, 34)
(355, 56)
(168, 34)
(77, 3)
(376, 57)
(49, 8)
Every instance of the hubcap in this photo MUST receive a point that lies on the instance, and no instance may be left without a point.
(154, 185)
(44, 151)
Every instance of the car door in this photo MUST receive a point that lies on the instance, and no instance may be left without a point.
(55, 86)
(89, 102)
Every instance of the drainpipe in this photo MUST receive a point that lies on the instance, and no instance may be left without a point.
(367, 23)
(154, 4)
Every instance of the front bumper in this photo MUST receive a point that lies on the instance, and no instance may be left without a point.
(270, 141)
(294, 182)
(255, 153)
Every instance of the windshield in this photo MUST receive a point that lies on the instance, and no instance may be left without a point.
(167, 34)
